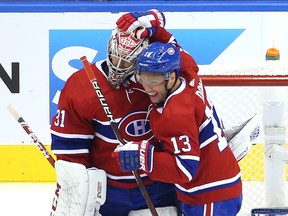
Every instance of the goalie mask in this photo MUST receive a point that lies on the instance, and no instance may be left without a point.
(123, 49)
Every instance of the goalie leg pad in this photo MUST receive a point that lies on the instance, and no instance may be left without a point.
(72, 179)
(162, 211)
(76, 193)
(97, 191)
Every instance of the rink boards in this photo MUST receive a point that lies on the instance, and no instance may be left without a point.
(25, 163)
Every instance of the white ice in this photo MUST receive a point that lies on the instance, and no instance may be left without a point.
(26, 199)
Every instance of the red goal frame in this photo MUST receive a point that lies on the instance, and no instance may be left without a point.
(245, 80)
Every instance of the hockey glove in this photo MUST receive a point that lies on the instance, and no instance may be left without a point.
(135, 155)
(147, 22)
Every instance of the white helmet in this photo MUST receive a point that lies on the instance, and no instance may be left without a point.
(126, 47)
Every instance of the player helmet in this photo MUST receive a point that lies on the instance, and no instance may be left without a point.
(159, 58)
(126, 48)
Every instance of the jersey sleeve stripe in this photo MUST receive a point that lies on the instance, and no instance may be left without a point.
(77, 151)
(106, 139)
(183, 169)
(189, 157)
(208, 141)
(189, 164)
(79, 136)
(69, 144)
(104, 131)
(211, 186)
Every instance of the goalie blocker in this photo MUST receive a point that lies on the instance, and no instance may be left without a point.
(80, 191)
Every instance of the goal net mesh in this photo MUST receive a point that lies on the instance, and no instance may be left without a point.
(236, 104)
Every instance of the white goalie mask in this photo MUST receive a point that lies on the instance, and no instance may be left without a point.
(125, 48)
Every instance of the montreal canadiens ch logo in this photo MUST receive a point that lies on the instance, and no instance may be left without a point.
(135, 127)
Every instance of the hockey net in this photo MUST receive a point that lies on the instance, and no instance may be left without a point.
(235, 92)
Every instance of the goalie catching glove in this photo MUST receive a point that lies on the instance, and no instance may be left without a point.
(135, 155)
(147, 23)
(241, 137)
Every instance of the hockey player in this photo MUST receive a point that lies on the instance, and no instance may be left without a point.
(196, 156)
(239, 137)
(83, 140)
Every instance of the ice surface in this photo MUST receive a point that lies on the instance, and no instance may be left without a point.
(26, 199)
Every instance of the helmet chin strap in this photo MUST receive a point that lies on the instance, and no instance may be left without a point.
(169, 91)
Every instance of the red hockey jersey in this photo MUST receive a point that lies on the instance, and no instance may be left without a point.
(81, 131)
(197, 158)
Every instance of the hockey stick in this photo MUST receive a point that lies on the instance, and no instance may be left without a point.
(116, 131)
(29, 131)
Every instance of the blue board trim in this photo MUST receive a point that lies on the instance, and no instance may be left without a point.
(124, 6)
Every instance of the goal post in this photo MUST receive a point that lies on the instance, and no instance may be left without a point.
(238, 93)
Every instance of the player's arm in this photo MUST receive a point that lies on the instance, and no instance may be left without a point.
(189, 66)
(180, 159)
(148, 21)
(72, 132)
(133, 156)
(151, 24)
(146, 24)
(181, 156)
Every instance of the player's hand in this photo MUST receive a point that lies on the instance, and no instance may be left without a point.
(135, 155)
(146, 23)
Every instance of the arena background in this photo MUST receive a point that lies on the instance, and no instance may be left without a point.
(41, 43)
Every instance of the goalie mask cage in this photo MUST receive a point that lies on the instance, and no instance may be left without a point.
(235, 92)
